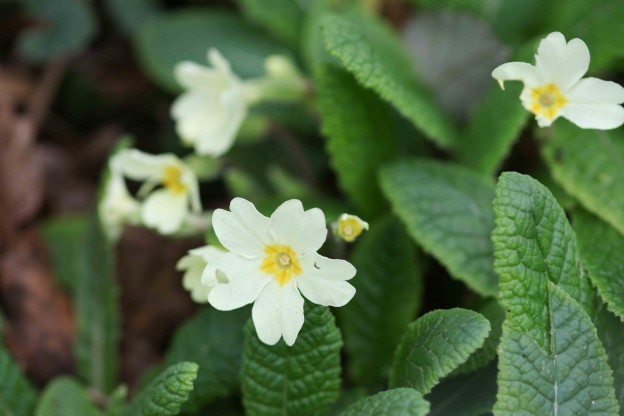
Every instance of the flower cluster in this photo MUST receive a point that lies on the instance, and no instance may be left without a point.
(270, 262)
(554, 86)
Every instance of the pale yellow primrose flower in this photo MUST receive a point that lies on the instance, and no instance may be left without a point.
(272, 262)
(209, 113)
(193, 265)
(117, 207)
(553, 86)
(349, 227)
(164, 209)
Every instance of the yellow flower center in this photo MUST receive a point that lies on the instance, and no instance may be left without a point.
(280, 261)
(349, 228)
(547, 100)
(172, 179)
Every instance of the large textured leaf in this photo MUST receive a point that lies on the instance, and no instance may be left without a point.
(96, 304)
(611, 334)
(214, 340)
(570, 377)
(17, 396)
(471, 394)
(588, 165)
(550, 360)
(389, 291)
(66, 27)
(602, 252)
(371, 52)
(300, 380)
(436, 344)
(186, 35)
(166, 394)
(448, 211)
(395, 402)
(282, 18)
(359, 131)
(65, 396)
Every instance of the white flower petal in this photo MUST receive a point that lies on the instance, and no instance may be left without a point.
(193, 267)
(164, 211)
(195, 112)
(208, 253)
(305, 231)
(596, 91)
(516, 71)
(560, 62)
(278, 312)
(140, 166)
(191, 75)
(217, 60)
(323, 282)
(595, 116)
(245, 281)
(243, 229)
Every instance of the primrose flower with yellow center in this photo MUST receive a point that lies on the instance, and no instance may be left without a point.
(193, 265)
(166, 208)
(209, 114)
(349, 227)
(553, 86)
(272, 262)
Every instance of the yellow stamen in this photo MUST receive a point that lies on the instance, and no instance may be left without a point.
(280, 261)
(172, 179)
(547, 100)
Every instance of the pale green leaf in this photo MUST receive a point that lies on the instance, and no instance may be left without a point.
(470, 394)
(214, 340)
(187, 35)
(389, 292)
(67, 27)
(534, 244)
(300, 380)
(448, 211)
(166, 394)
(588, 165)
(395, 402)
(17, 395)
(602, 252)
(372, 53)
(550, 358)
(65, 396)
(131, 15)
(359, 131)
(436, 344)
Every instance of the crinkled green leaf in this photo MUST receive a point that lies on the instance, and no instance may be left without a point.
(371, 52)
(534, 244)
(300, 380)
(360, 135)
(570, 377)
(484, 355)
(395, 402)
(17, 395)
(389, 292)
(448, 211)
(282, 18)
(611, 334)
(96, 303)
(214, 340)
(436, 344)
(66, 27)
(65, 396)
(470, 394)
(602, 252)
(166, 394)
(550, 358)
(588, 165)
(187, 35)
